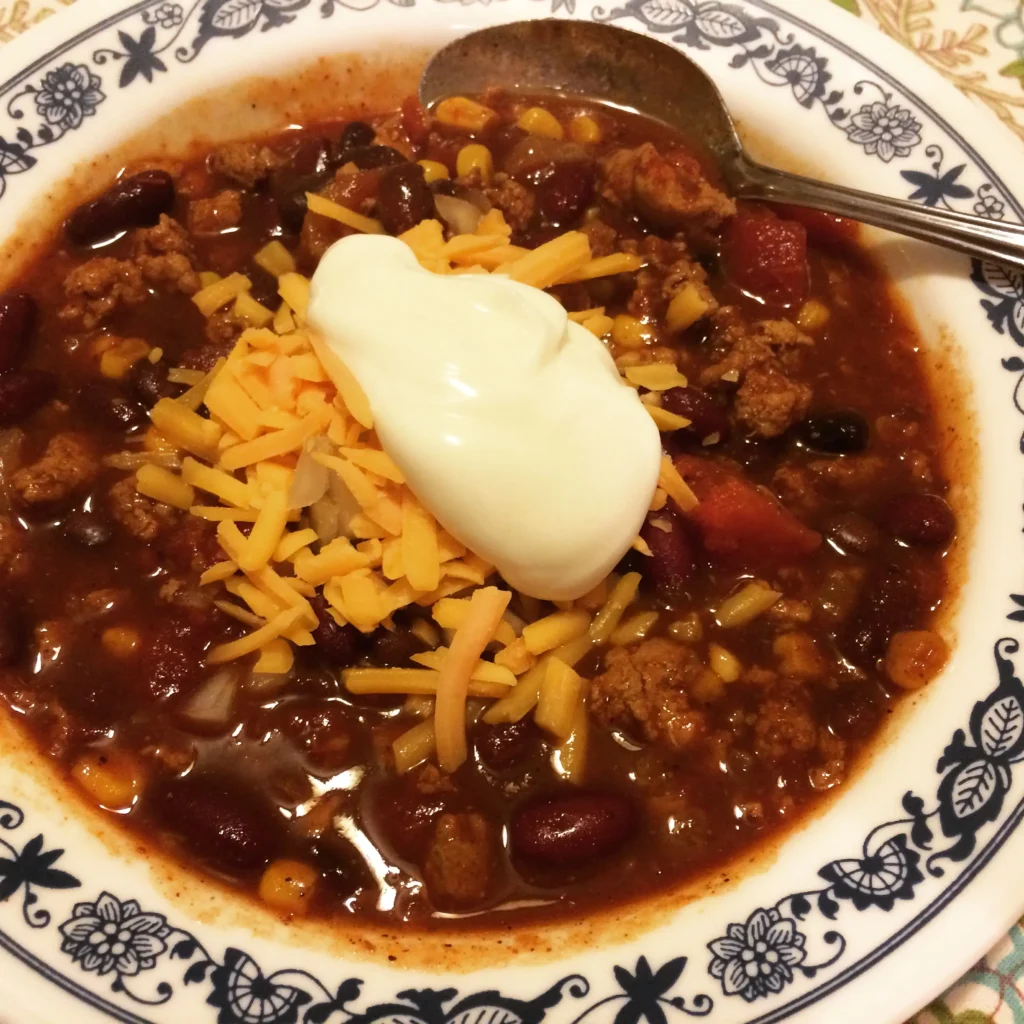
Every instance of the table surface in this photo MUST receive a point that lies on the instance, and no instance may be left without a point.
(979, 46)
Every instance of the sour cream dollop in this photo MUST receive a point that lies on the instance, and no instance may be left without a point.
(509, 421)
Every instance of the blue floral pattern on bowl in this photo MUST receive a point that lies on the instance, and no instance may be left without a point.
(148, 959)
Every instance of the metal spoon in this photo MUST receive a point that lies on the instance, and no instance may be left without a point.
(633, 72)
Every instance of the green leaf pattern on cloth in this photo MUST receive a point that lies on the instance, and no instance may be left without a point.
(979, 46)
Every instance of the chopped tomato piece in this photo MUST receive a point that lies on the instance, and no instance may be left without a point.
(415, 121)
(821, 227)
(766, 256)
(739, 523)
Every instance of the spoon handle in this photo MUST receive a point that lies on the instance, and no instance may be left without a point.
(976, 236)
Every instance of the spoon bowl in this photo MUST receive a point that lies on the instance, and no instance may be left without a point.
(630, 71)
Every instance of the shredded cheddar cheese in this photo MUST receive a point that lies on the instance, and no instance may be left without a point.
(279, 436)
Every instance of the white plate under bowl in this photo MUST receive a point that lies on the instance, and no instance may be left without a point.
(864, 913)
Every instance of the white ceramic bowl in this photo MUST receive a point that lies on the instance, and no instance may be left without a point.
(866, 911)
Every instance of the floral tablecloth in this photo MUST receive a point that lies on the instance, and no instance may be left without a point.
(979, 46)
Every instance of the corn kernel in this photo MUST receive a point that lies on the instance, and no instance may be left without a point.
(120, 355)
(113, 778)
(288, 885)
(433, 170)
(628, 332)
(724, 663)
(475, 157)
(121, 641)
(584, 130)
(464, 114)
(538, 121)
(813, 315)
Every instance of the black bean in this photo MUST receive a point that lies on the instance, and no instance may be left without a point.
(923, 519)
(394, 648)
(671, 564)
(134, 202)
(17, 323)
(89, 529)
(289, 193)
(340, 645)
(565, 193)
(404, 198)
(505, 744)
(12, 632)
(367, 158)
(22, 392)
(221, 821)
(123, 412)
(707, 418)
(571, 828)
(356, 134)
(148, 382)
(835, 433)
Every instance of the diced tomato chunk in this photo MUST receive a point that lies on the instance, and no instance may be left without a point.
(415, 121)
(766, 256)
(825, 228)
(738, 523)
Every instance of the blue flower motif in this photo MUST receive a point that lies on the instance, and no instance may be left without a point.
(166, 16)
(885, 131)
(246, 996)
(878, 879)
(757, 959)
(68, 94)
(109, 935)
(989, 204)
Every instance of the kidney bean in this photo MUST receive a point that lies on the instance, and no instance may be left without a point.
(366, 158)
(12, 632)
(671, 564)
(320, 729)
(125, 413)
(22, 392)
(17, 322)
(340, 645)
(134, 202)
(404, 198)
(851, 531)
(923, 519)
(565, 193)
(706, 416)
(505, 744)
(395, 648)
(89, 529)
(890, 600)
(572, 827)
(836, 433)
(148, 382)
(224, 823)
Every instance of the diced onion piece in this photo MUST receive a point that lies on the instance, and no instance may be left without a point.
(309, 484)
(487, 606)
(459, 214)
(211, 704)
